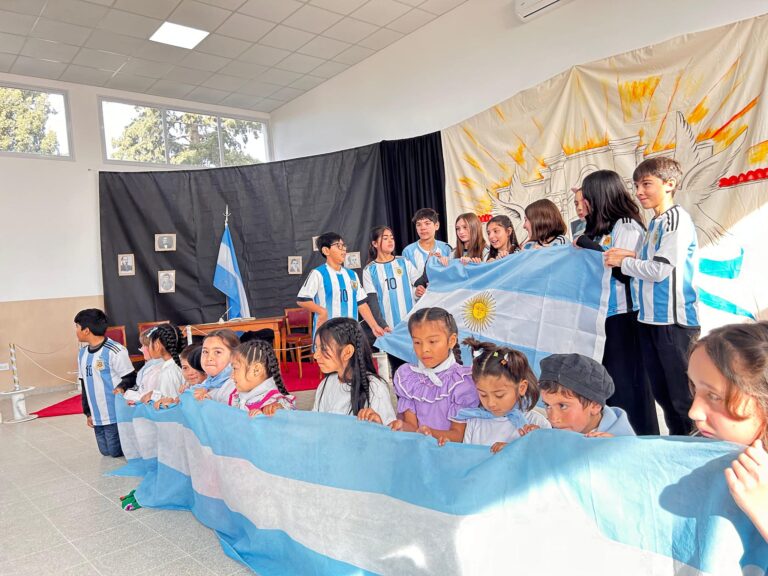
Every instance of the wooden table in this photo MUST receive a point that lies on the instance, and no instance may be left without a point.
(274, 323)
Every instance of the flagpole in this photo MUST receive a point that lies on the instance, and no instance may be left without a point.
(226, 216)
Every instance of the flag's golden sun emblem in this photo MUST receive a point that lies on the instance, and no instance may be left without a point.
(479, 311)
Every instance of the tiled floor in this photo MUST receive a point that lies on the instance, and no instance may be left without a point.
(59, 515)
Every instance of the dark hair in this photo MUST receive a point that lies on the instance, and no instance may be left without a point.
(546, 221)
(441, 316)
(503, 221)
(661, 167)
(376, 233)
(500, 361)
(144, 336)
(740, 353)
(260, 352)
(193, 354)
(325, 241)
(552, 387)
(171, 339)
(609, 202)
(343, 331)
(227, 336)
(426, 214)
(476, 238)
(94, 320)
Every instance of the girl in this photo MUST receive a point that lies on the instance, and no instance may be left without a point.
(351, 385)
(431, 394)
(390, 278)
(508, 391)
(613, 220)
(214, 358)
(544, 224)
(728, 372)
(166, 342)
(470, 245)
(256, 384)
(190, 366)
(145, 378)
(501, 237)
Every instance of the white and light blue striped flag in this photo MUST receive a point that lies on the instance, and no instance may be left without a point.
(227, 278)
(309, 493)
(541, 302)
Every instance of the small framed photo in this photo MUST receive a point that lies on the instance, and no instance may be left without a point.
(294, 265)
(165, 242)
(352, 260)
(125, 265)
(578, 227)
(314, 243)
(166, 281)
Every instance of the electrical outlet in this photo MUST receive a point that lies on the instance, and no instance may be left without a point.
(4, 366)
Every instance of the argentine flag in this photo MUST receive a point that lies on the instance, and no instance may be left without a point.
(227, 278)
(541, 302)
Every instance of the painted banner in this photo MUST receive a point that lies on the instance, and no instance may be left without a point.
(699, 98)
(309, 493)
(539, 302)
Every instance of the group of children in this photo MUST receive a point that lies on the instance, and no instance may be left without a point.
(723, 390)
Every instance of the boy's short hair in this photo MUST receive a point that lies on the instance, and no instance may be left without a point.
(662, 167)
(425, 214)
(580, 374)
(93, 319)
(552, 387)
(325, 240)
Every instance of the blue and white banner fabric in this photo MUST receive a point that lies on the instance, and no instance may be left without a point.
(228, 280)
(311, 493)
(540, 302)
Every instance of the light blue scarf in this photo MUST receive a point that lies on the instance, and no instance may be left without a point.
(217, 381)
(516, 416)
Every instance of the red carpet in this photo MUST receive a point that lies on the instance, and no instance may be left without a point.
(310, 379)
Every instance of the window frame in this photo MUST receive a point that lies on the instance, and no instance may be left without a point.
(190, 110)
(67, 116)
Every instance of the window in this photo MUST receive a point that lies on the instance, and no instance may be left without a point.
(149, 134)
(33, 122)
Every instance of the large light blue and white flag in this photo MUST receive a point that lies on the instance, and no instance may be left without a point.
(309, 493)
(227, 278)
(540, 302)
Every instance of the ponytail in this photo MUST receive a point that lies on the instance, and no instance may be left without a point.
(260, 352)
(171, 339)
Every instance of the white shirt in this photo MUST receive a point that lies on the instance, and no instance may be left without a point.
(417, 256)
(336, 397)
(392, 284)
(627, 234)
(338, 292)
(486, 432)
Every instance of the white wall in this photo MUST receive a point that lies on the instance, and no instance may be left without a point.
(474, 57)
(49, 209)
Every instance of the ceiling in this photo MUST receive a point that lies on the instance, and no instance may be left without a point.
(259, 55)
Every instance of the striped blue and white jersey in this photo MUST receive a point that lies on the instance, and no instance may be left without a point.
(417, 256)
(101, 371)
(627, 234)
(665, 269)
(338, 292)
(392, 284)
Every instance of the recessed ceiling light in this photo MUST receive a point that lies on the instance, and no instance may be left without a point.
(178, 35)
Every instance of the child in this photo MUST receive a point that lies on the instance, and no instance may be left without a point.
(427, 224)
(574, 389)
(190, 366)
(102, 368)
(470, 245)
(544, 224)
(146, 373)
(664, 267)
(215, 360)
(501, 237)
(431, 394)
(613, 220)
(728, 371)
(256, 384)
(388, 279)
(351, 385)
(332, 291)
(165, 343)
(508, 391)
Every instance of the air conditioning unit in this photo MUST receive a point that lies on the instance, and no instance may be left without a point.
(530, 9)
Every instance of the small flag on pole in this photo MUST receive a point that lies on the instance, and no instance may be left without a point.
(227, 276)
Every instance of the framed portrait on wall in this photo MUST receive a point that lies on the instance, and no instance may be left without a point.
(294, 265)
(352, 260)
(165, 242)
(166, 281)
(126, 265)
(314, 243)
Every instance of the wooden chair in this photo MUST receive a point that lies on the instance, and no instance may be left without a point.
(116, 333)
(147, 325)
(298, 334)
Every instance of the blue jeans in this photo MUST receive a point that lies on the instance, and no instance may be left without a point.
(108, 440)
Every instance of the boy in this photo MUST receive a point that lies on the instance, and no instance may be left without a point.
(574, 389)
(664, 269)
(104, 369)
(427, 224)
(332, 291)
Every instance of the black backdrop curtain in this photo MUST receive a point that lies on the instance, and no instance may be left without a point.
(414, 177)
(276, 210)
